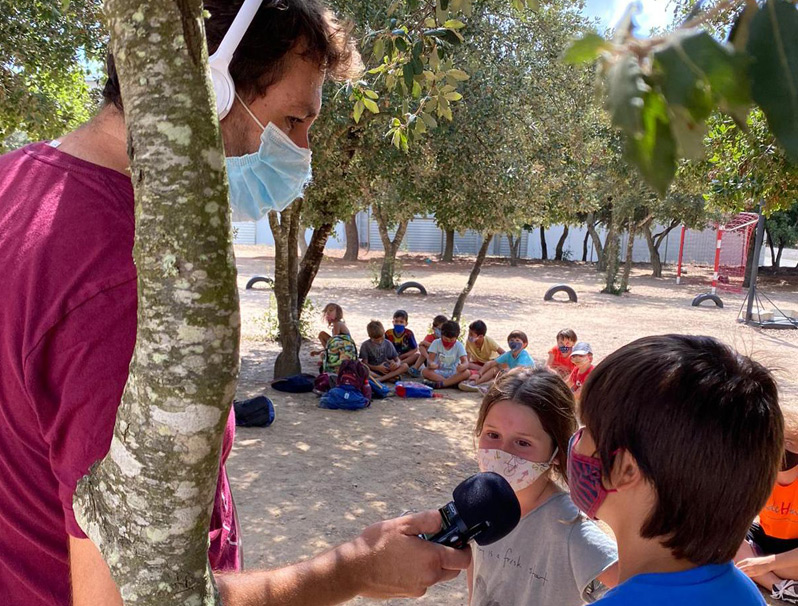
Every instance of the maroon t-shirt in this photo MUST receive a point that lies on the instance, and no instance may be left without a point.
(67, 331)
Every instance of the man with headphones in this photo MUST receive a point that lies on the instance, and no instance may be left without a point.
(67, 334)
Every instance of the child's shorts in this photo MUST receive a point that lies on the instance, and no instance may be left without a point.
(446, 372)
(767, 545)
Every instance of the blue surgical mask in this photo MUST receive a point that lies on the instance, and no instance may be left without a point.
(515, 345)
(269, 179)
(437, 332)
(564, 349)
(398, 328)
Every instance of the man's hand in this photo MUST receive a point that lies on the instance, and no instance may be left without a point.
(755, 567)
(394, 562)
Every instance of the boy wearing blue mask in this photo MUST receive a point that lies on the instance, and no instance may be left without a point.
(403, 338)
(682, 441)
(517, 356)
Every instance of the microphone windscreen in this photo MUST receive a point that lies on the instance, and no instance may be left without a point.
(488, 497)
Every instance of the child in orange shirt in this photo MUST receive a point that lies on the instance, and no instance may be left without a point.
(560, 355)
(769, 555)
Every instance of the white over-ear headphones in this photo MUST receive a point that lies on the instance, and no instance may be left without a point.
(219, 62)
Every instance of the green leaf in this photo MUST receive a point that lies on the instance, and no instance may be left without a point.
(625, 89)
(453, 96)
(396, 138)
(358, 111)
(401, 44)
(773, 46)
(443, 4)
(741, 29)
(371, 94)
(585, 50)
(454, 24)
(371, 106)
(458, 75)
(654, 150)
(429, 120)
(416, 89)
(689, 133)
(379, 49)
(407, 73)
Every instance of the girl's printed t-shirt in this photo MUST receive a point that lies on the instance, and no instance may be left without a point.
(561, 360)
(447, 359)
(779, 517)
(711, 584)
(552, 558)
(578, 378)
(523, 359)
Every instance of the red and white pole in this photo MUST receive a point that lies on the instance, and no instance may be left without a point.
(719, 229)
(681, 253)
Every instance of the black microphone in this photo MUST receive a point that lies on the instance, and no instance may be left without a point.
(483, 508)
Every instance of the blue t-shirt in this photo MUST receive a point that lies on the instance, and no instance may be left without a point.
(711, 584)
(523, 359)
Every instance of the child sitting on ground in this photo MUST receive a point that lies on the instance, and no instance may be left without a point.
(447, 363)
(333, 315)
(338, 346)
(769, 556)
(582, 358)
(560, 355)
(523, 428)
(402, 338)
(681, 443)
(480, 348)
(380, 355)
(423, 347)
(517, 356)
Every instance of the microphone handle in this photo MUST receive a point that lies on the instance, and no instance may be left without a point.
(454, 532)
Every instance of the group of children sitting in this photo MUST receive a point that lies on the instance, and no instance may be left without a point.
(442, 360)
(683, 451)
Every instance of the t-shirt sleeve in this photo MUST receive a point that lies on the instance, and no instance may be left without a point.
(492, 344)
(390, 350)
(364, 351)
(591, 552)
(411, 340)
(75, 376)
(436, 347)
(527, 360)
(461, 351)
(502, 359)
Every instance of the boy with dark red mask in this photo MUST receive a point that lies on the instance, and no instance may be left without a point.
(682, 441)
(447, 365)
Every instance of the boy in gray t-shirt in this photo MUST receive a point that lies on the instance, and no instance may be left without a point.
(552, 557)
(380, 355)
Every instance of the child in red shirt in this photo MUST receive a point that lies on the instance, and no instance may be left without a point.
(560, 356)
(582, 358)
(437, 322)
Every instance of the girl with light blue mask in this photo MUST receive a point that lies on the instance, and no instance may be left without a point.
(269, 179)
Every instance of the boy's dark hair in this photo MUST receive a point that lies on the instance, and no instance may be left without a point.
(704, 425)
(401, 313)
(259, 61)
(547, 395)
(518, 334)
(450, 329)
(479, 327)
(375, 330)
(567, 333)
(439, 320)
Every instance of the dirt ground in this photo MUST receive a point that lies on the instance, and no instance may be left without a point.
(317, 477)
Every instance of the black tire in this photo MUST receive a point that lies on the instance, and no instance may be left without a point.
(258, 279)
(549, 296)
(699, 299)
(403, 287)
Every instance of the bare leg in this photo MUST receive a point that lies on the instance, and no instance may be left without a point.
(767, 580)
(410, 358)
(456, 379)
(475, 366)
(395, 373)
(487, 376)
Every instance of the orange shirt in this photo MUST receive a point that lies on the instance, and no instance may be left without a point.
(779, 518)
(561, 360)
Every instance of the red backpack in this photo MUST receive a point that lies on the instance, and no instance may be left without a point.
(356, 374)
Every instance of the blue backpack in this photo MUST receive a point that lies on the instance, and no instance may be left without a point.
(302, 383)
(378, 390)
(344, 397)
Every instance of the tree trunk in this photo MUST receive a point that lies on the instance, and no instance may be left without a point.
(303, 244)
(611, 259)
(558, 252)
(544, 250)
(448, 249)
(472, 278)
(352, 239)
(584, 247)
(310, 264)
(515, 248)
(147, 504)
(391, 247)
(749, 262)
(653, 251)
(778, 256)
(591, 229)
(772, 250)
(285, 228)
(627, 267)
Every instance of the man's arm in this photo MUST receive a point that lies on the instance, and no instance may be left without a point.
(386, 560)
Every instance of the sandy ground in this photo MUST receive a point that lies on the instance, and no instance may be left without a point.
(317, 477)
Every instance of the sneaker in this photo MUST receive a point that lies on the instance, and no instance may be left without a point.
(469, 386)
(786, 590)
(483, 388)
(433, 384)
(414, 372)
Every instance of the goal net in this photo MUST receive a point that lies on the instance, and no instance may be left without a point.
(716, 255)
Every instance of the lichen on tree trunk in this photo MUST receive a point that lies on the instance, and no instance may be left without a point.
(147, 504)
